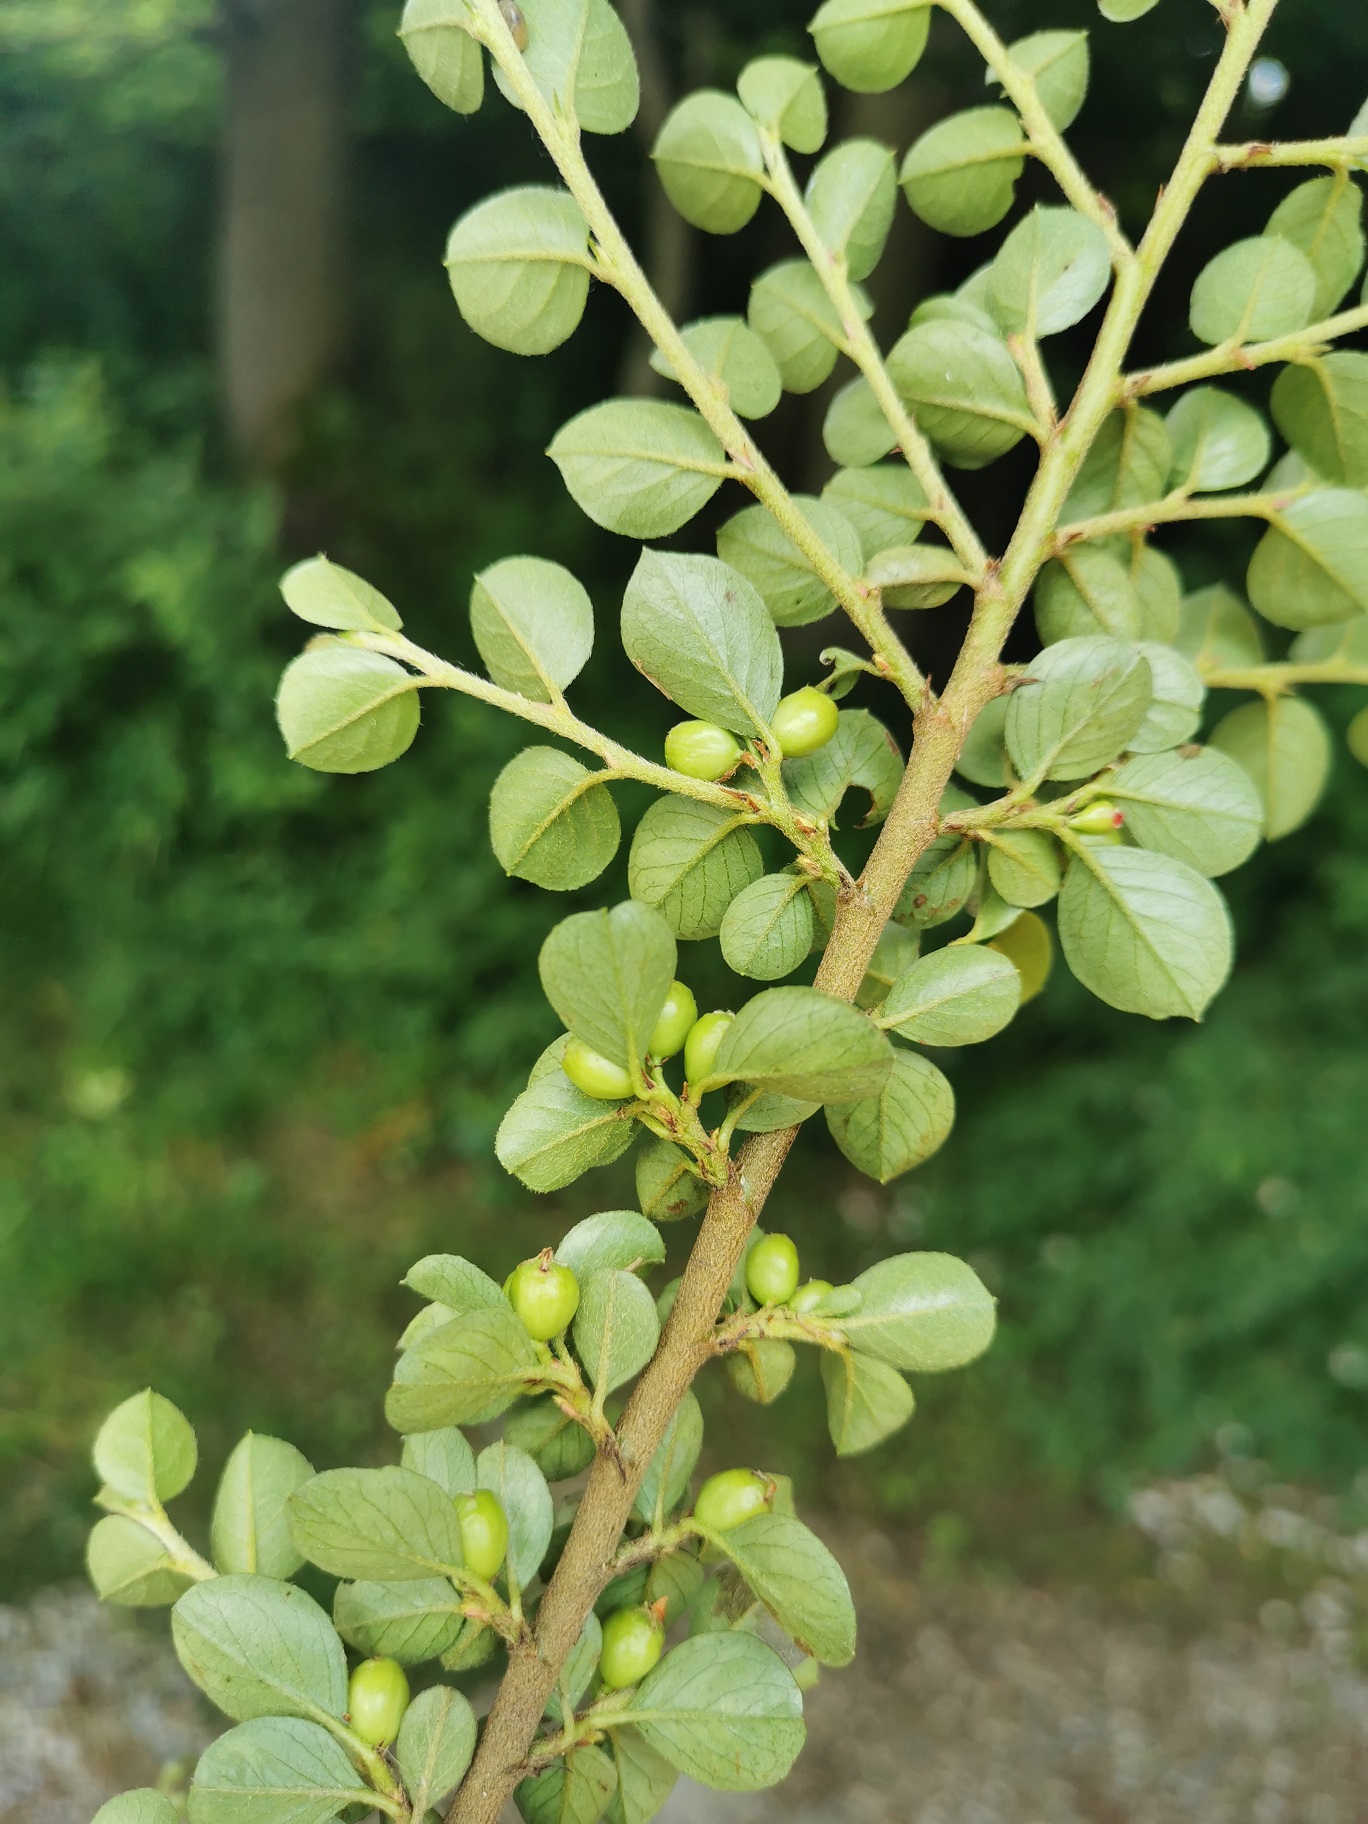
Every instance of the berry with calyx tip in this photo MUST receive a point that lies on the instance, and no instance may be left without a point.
(545, 1296)
(633, 1641)
(703, 1044)
(596, 1075)
(702, 750)
(734, 1495)
(678, 1017)
(377, 1697)
(1102, 818)
(804, 722)
(772, 1270)
(808, 1297)
(484, 1532)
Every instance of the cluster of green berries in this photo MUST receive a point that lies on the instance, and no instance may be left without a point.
(679, 1028)
(802, 723)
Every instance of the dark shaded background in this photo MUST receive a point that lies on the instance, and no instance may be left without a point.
(257, 1027)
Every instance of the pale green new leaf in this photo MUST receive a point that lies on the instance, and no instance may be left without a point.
(1200, 807)
(804, 1044)
(552, 821)
(899, 1129)
(411, 1622)
(257, 1647)
(851, 197)
(690, 860)
(1324, 220)
(724, 1710)
(1219, 441)
(326, 595)
(512, 1475)
(730, 351)
(607, 974)
(1253, 291)
(345, 711)
(130, 1567)
(1049, 273)
(464, 1373)
(1286, 748)
(961, 995)
(1059, 63)
(275, 1770)
(1076, 708)
(867, 1401)
(964, 389)
(580, 57)
(709, 159)
(435, 1744)
(1310, 569)
(145, 1450)
(700, 632)
(787, 96)
(251, 1529)
(768, 929)
(961, 175)
(871, 46)
(534, 625)
(381, 1525)
(553, 1134)
(519, 268)
(1144, 932)
(436, 35)
(798, 1580)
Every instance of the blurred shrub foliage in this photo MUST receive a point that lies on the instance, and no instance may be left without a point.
(214, 964)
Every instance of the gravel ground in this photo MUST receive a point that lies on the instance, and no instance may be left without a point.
(968, 1705)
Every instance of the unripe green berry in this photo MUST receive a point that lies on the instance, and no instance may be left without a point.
(808, 1297)
(702, 750)
(1101, 818)
(725, 1500)
(596, 1075)
(377, 1697)
(772, 1270)
(804, 722)
(484, 1532)
(678, 1017)
(545, 1296)
(703, 1044)
(633, 1641)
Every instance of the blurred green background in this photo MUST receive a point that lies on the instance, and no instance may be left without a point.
(257, 1027)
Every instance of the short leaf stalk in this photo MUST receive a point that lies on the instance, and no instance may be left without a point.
(1096, 791)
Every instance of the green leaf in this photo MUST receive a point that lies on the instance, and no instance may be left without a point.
(344, 711)
(1218, 441)
(1087, 591)
(616, 1328)
(617, 1238)
(888, 1134)
(1122, 12)
(710, 162)
(983, 758)
(871, 46)
(1144, 932)
(146, 1450)
(411, 1622)
(256, 1647)
(1049, 273)
(666, 1481)
(1128, 464)
(922, 1313)
(251, 1528)
(767, 931)
(553, 1134)
(762, 1369)
(786, 96)
(444, 1457)
(867, 1401)
(519, 267)
(724, 1710)
(645, 1780)
(577, 1671)
(861, 753)
(1321, 407)
(275, 1770)
(1217, 631)
(573, 1791)
(1175, 711)
(690, 860)
(1324, 220)
(607, 974)
(1160, 586)
(641, 467)
(1254, 291)
(958, 996)
(965, 390)
(700, 632)
(534, 625)
(145, 1805)
(756, 545)
(921, 576)
(130, 1567)
(382, 1525)
(1310, 569)
(457, 1283)
(435, 1745)
(1347, 644)
(804, 1044)
(798, 1580)
(515, 1478)
(730, 351)
(1287, 750)
(1059, 65)
(940, 883)
(791, 313)
(581, 59)
(558, 1446)
(855, 430)
(1200, 807)
(552, 821)
(668, 1189)
(464, 1373)
(961, 175)
(851, 197)
(885, 504)
(770, 1112)
(1077, 706)
(1024, 866)
(326, 595)
(436, 35)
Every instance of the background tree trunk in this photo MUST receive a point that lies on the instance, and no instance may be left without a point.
(282, 263)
